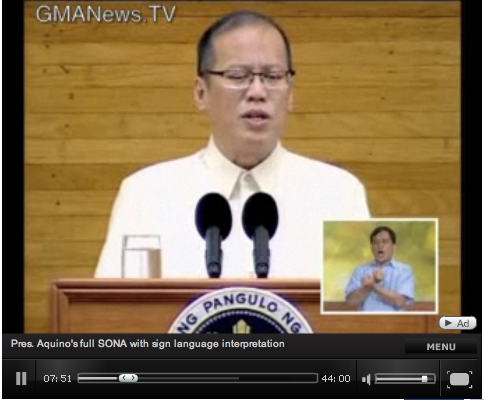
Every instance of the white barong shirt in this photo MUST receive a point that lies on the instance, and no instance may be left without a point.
(161, 200)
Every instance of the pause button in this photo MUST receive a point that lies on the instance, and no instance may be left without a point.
(18, 379)
(21, 378)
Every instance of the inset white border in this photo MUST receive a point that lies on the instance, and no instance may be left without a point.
(366, 313)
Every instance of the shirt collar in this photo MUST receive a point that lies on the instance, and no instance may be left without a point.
(227, 174)
(390, 263)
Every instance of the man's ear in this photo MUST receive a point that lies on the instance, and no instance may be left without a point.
(200, 94)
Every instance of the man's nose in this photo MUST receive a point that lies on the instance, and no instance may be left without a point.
(257, 89)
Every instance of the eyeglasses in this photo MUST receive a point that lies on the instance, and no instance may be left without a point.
(242, 78)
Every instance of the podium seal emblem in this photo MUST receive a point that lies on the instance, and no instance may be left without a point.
(240, 310)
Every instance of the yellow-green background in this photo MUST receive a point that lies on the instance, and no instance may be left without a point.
(347, 246)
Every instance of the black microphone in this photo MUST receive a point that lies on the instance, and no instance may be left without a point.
(214, 222)
(260, 219)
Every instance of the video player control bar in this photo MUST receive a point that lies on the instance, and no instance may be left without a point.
(284, 378)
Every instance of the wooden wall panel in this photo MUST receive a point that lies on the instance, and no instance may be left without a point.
(170, 126)
(79, 151)
(177, 100)
(333, 29)
(295, 9)
(377, 93)
(92, 227)
(80, 254)
(109, 176)
(181, 75)
(388, 53)
(404, 202)
(84, 254)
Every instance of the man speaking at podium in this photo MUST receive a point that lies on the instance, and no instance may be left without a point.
(245, 87)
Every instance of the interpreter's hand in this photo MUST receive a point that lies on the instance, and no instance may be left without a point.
(368, 281)
(378, 275)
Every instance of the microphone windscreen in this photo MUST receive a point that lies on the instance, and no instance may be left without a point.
(260, 210)
(213, 210)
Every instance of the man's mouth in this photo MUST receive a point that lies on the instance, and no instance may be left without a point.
(256, 116)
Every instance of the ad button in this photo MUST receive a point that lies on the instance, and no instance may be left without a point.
(460, 323)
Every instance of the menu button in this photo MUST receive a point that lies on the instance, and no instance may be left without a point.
(440, 346)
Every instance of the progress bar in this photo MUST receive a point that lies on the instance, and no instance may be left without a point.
(199, 377)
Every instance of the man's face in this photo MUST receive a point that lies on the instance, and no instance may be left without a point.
(246, 122)
(383, 247)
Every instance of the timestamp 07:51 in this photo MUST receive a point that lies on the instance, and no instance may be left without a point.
(57, 378)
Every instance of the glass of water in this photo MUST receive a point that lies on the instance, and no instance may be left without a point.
(141, 256)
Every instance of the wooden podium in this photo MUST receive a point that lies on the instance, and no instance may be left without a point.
(151, 306)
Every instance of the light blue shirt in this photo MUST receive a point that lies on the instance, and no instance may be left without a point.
(398, 277)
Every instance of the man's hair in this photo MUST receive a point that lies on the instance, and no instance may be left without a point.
(206, 52)
(379, 229)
